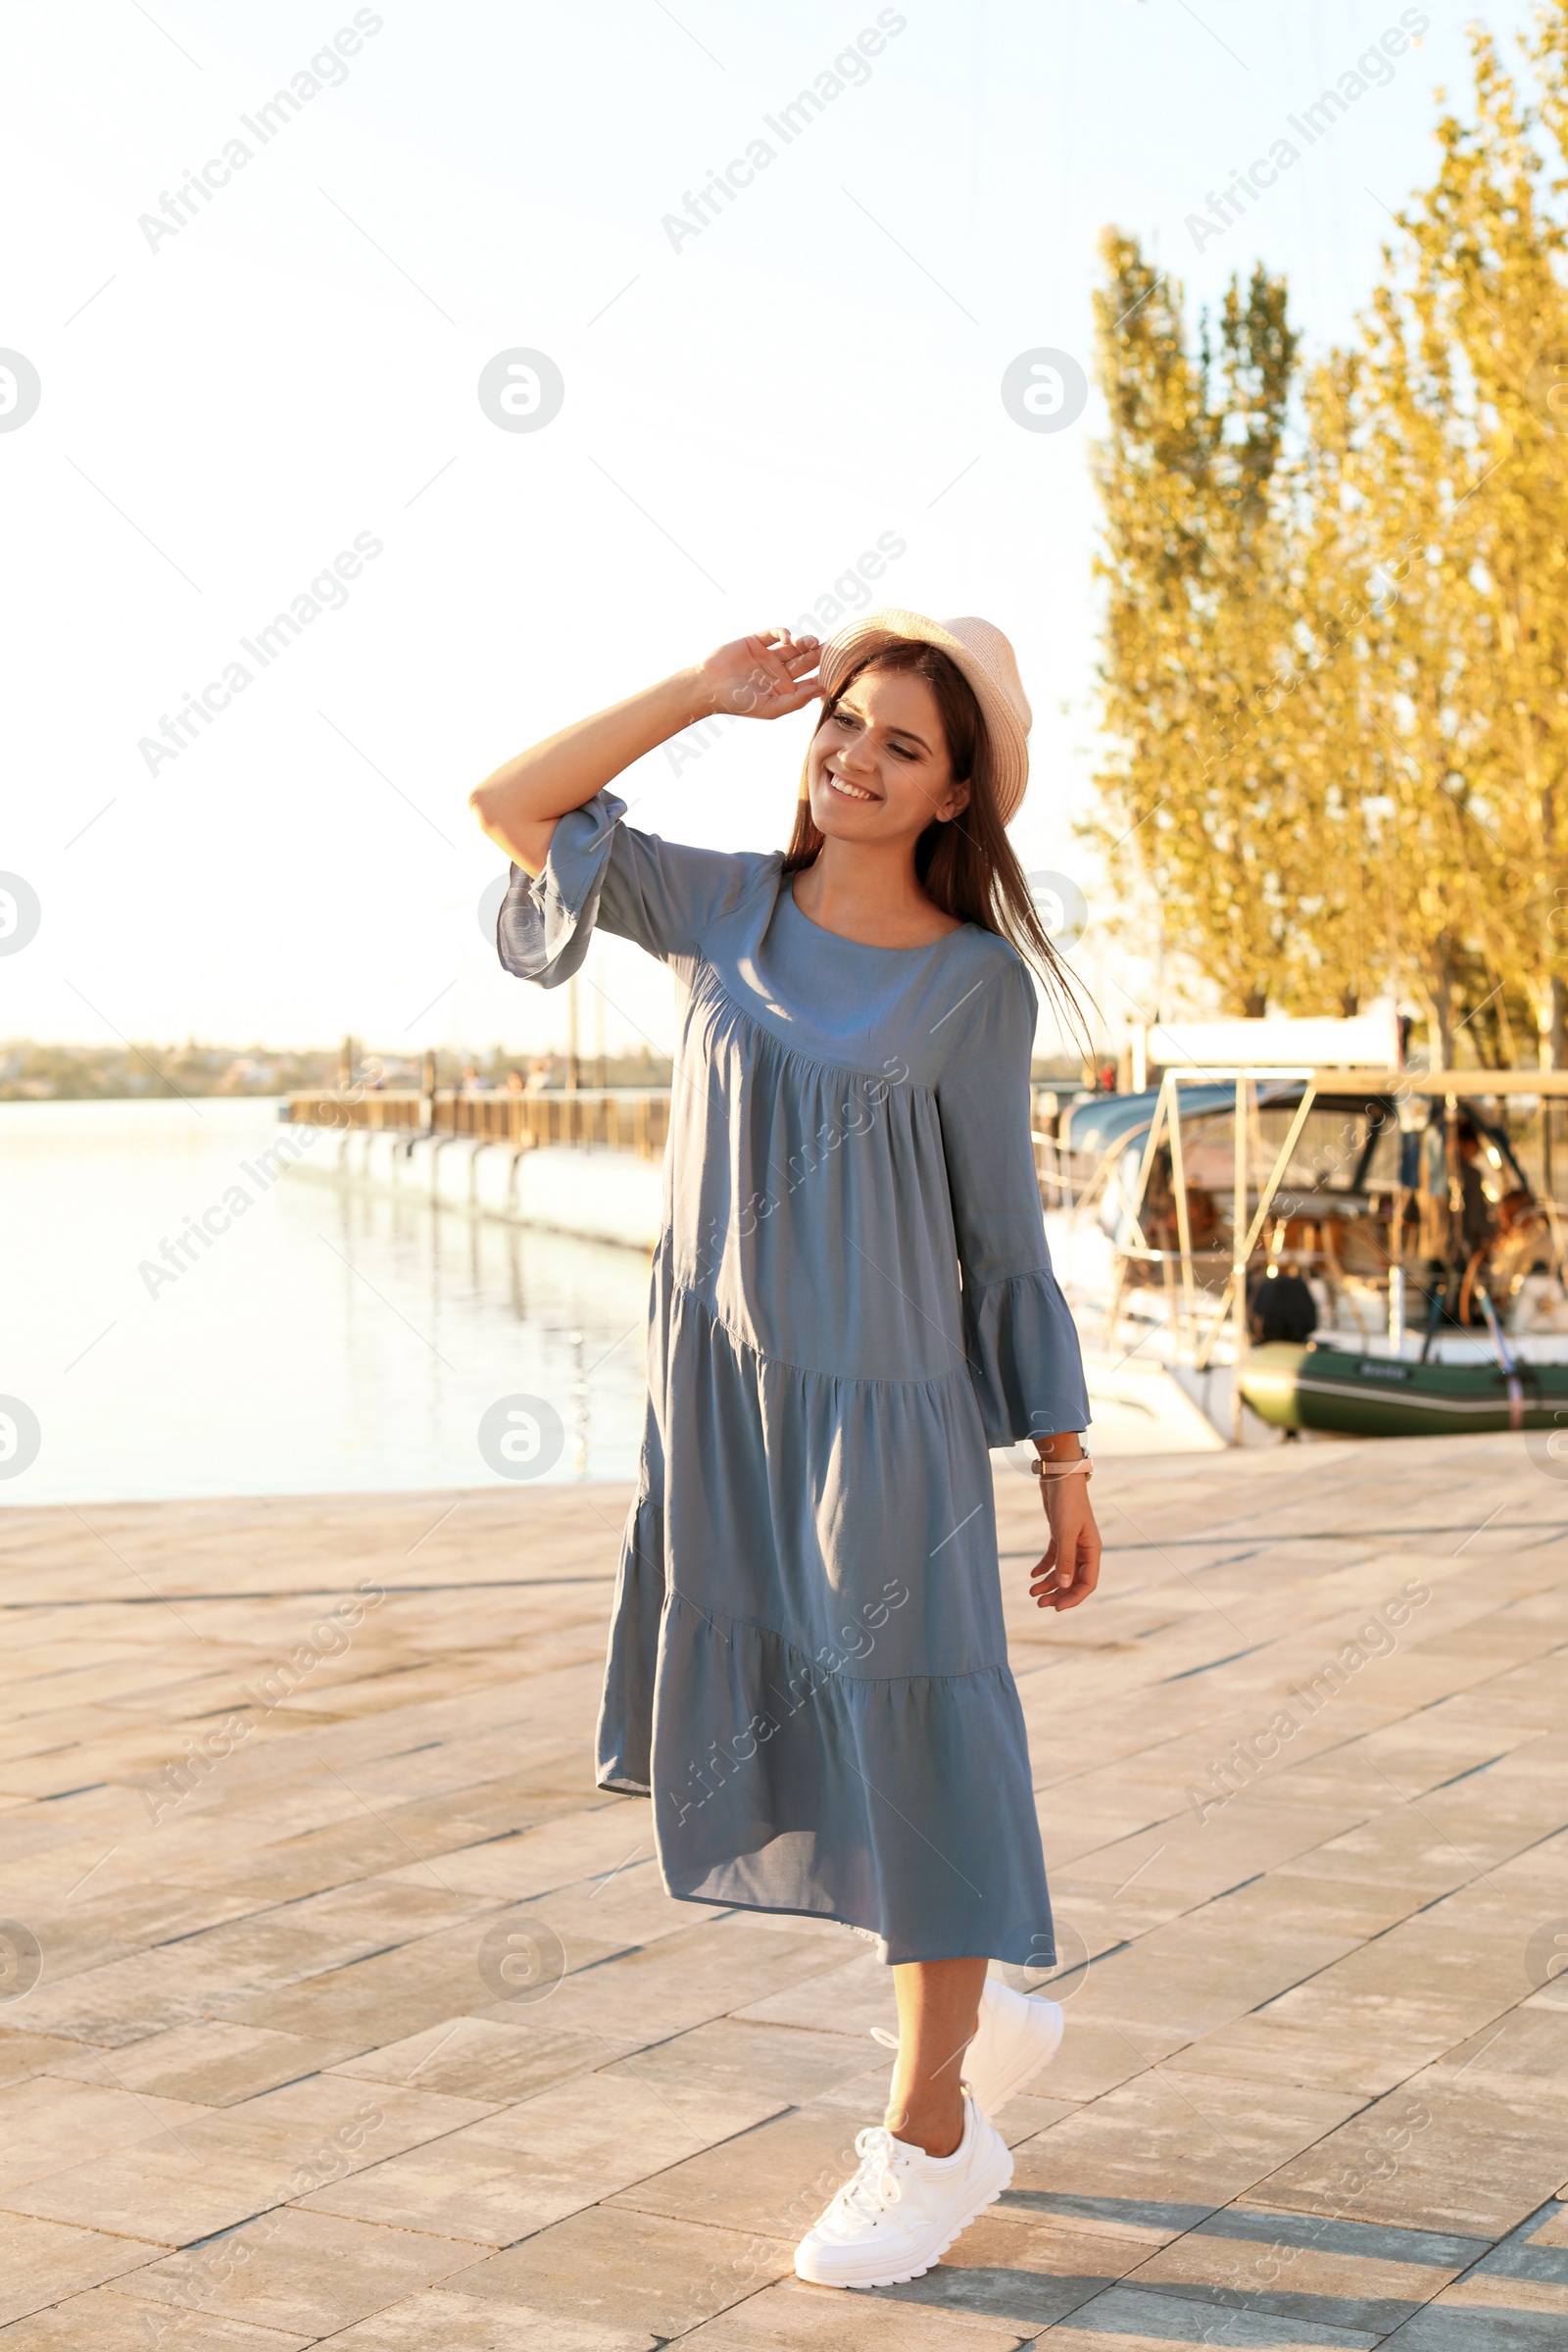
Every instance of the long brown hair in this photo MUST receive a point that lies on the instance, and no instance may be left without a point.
(965, 864)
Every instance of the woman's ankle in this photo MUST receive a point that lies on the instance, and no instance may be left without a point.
(935, 2131)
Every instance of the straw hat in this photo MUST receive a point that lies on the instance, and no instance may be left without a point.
(986, 660)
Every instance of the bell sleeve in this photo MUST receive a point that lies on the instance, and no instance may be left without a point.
(603, 874)
(1019, 1336)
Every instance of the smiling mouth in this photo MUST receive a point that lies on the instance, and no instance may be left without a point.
(845, 790)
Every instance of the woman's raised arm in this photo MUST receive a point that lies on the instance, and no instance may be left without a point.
(756, 677)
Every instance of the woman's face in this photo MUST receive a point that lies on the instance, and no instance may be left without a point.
(878, 768)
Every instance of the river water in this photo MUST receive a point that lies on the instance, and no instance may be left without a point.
(321, 1341)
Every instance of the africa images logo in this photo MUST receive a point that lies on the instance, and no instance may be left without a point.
(1373, 70)
(326, 593)
(850, 70)
(21, 390)
(176, 209)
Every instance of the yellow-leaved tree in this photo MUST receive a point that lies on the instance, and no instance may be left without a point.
(1336, 639)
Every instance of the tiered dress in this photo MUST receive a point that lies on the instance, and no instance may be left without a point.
(851, 1300)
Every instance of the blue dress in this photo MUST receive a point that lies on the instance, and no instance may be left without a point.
(852, 1300)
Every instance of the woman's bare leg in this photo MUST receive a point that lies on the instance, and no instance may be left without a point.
(939, 2008)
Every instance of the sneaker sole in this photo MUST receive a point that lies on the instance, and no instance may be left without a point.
(919, 2270)
(1025, 2071)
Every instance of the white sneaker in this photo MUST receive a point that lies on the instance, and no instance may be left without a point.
(903, 2208)
(1017, 2033)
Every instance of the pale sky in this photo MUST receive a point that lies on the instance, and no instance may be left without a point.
(292, 373)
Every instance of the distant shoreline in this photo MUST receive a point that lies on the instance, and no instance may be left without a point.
(34, 1072)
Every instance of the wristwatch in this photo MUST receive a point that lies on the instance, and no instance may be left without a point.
(1045, 1467)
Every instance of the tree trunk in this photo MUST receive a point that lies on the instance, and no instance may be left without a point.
(1441, 993)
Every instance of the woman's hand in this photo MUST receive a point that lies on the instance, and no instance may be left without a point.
(761, 677)
(1069, 1570)
(756, 677)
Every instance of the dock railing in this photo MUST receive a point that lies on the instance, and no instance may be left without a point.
(610, 1118)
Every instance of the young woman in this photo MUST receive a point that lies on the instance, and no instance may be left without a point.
(852, 1301)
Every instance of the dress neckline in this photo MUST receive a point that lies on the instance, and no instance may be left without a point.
(868, 946)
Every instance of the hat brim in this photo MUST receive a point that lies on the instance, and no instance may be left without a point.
(1007, 739)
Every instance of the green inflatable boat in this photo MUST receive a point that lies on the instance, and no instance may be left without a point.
(1383, 1396)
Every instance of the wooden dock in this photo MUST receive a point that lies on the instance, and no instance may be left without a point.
(337, 2006)
(633, 1119)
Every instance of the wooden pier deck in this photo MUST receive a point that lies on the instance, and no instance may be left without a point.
(336, 2005)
